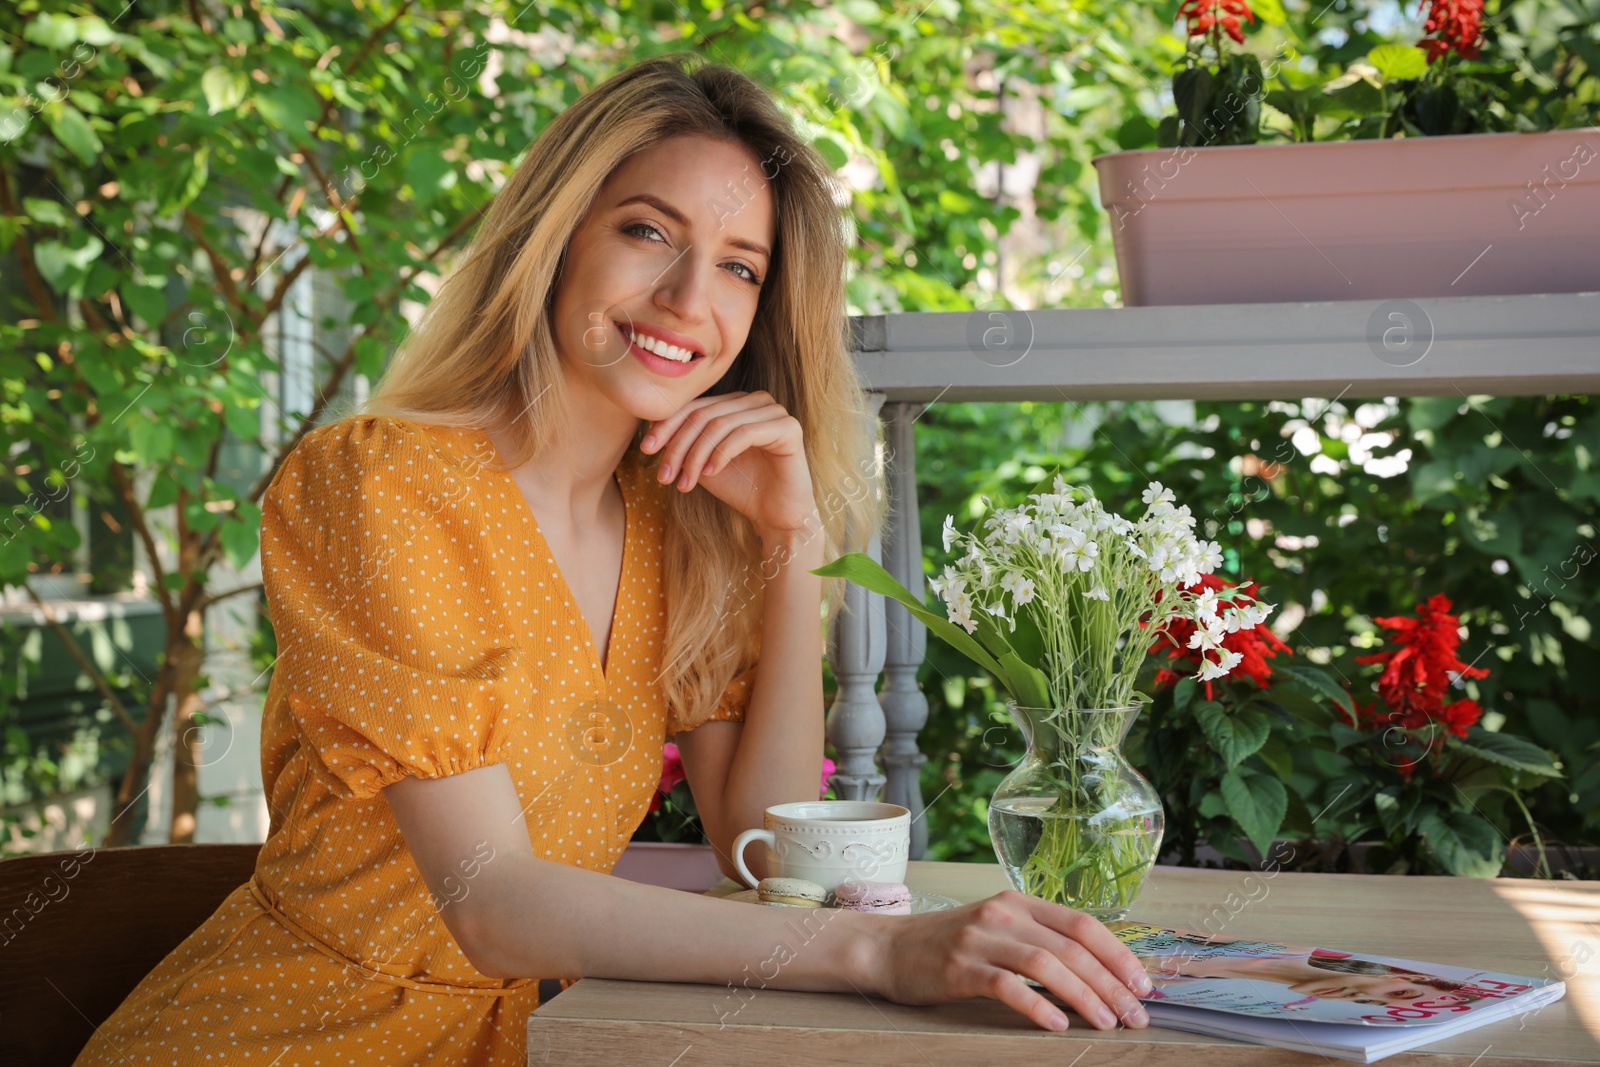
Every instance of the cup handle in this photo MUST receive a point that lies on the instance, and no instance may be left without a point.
(739, 844)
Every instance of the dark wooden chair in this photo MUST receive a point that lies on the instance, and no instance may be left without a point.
(78, 930)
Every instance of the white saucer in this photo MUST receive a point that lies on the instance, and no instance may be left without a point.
(920, 901)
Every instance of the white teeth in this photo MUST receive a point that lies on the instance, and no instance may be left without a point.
(661, 348)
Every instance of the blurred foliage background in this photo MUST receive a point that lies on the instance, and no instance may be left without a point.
(143, 146)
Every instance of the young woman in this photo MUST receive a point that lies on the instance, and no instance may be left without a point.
(576, 520)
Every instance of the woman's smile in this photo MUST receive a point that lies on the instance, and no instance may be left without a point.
(672, 360)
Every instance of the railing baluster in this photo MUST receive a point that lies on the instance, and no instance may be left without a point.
(905, 706)
(855, 723)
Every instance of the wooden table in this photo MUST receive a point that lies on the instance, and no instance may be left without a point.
(1549, 929)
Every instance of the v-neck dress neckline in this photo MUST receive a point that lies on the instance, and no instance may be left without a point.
(607, 671)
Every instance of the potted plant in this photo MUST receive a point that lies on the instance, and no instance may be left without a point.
(1059, 600)
(669, 848)
(1431, 169)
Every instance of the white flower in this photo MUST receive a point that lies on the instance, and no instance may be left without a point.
(1020, 588)
(1208, 634)
(1210, 556)
(950, 534)
(1081, 555)
(1156, 495)
(959, 611)
(1210, 670)
(1017, 524)
(1097, 593)
(1205, 605)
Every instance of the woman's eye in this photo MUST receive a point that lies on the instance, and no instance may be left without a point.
(749, 275)
(641, 226)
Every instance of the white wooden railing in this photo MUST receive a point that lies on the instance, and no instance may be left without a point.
(1437, 346)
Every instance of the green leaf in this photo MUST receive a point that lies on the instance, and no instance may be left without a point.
(832, 149)
(53, 32)
(1277, 755)
(1258, 803)
(243, 419)
(1297, 703)
(1026, 682)
(862, 569)
(289, 107)
(1397, 62)
(241, 539)
(1507, 750)
(954, 202)
(147, 302)
(49, 212)
(1183, 692)
(428, 172)
(64, 266)
(1463, 843)
(186, 181)
(1191, 91)
(1316, 683)
(73, 130)
(224, 88)
(152, 439)
(1235, 736)
(1269, 11)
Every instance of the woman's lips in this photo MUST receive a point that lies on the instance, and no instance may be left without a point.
(660, 364)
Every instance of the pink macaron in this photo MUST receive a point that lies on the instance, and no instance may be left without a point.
(881, 898)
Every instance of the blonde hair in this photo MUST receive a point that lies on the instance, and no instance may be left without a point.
(483, 353)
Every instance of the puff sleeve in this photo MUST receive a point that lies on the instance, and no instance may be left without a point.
(730, 707)
(370, 563)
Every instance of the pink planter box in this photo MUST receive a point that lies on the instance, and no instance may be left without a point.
(1468, 215)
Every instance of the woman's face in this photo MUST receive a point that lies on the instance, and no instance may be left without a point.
(1364, 989)
(675, 247)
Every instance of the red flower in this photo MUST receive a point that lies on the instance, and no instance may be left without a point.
(1256, 644)
(1460, 715)
(1203, 15)
(1416, 675)
(1455, 26)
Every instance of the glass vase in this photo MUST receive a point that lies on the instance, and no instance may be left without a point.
(1074, 822)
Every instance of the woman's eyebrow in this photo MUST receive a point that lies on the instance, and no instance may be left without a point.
(683, 220)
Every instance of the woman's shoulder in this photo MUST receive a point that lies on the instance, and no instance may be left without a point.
(362, 449)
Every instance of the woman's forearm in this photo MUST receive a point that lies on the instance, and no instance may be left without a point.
(539, 918)
(779, 756)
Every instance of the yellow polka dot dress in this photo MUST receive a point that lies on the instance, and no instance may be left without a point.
(424, 629)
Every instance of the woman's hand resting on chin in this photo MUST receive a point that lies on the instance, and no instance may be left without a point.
(747, 450)
(981, 949)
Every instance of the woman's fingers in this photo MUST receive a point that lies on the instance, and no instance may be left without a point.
(1048, 969)
(1009, 989)
(1089, 932)
(673, 435)
(723, 438)
(1092, 972)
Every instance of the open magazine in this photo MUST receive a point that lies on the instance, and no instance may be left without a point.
(1352, 1005)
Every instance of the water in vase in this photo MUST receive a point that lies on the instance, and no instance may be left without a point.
(1093, 862)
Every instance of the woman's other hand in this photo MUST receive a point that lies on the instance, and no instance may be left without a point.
(985, 948)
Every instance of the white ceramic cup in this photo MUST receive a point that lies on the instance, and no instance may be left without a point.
(831, 841)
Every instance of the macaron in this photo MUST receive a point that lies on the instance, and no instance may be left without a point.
(882, 898)
(791, 892)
